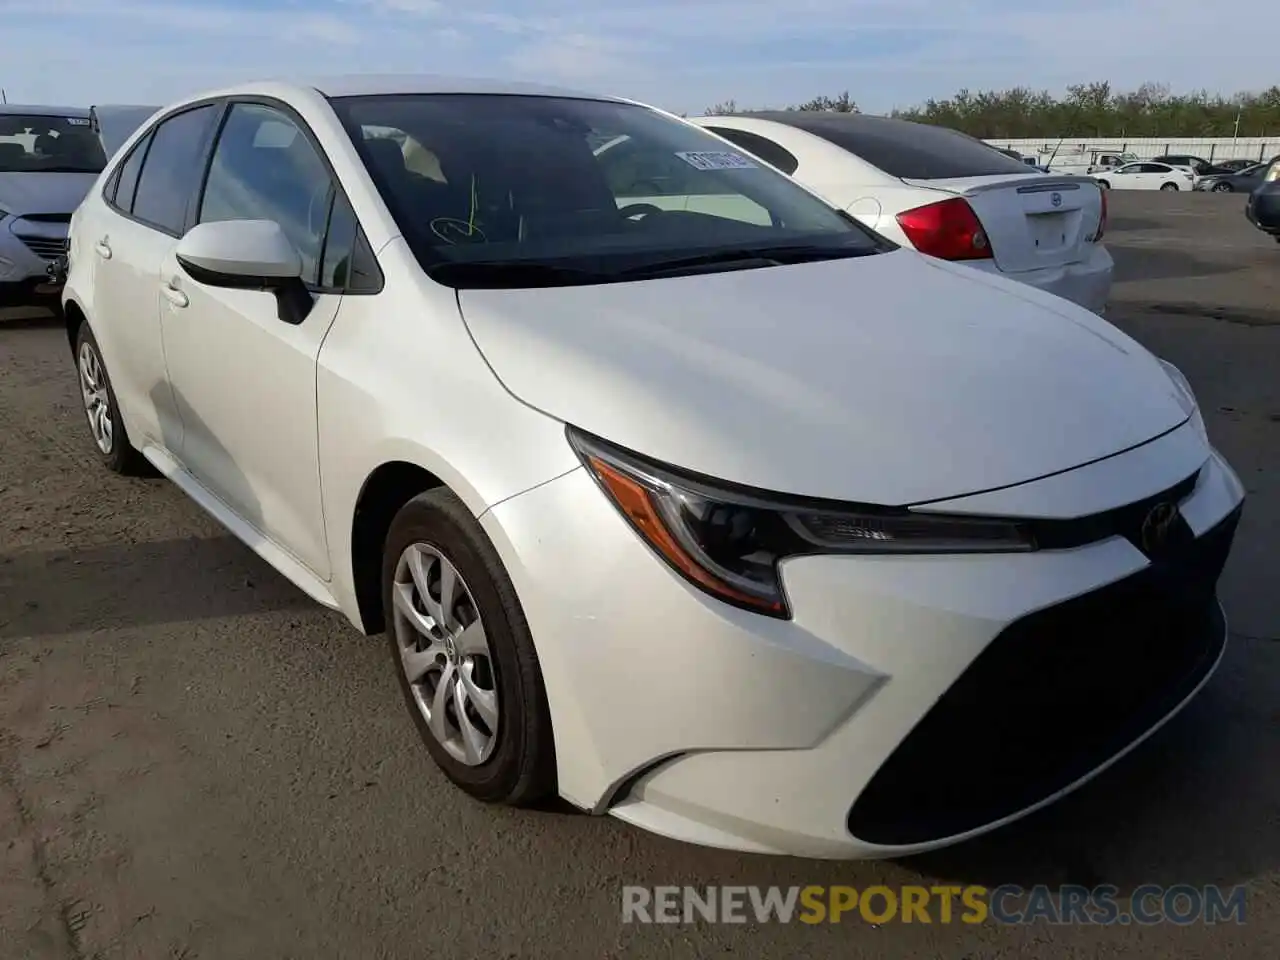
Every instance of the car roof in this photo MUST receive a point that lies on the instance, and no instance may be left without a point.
(361, 85)
(41, 110)
(815, 121)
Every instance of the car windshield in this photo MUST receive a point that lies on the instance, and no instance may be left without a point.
(45, 144)
(552, 190)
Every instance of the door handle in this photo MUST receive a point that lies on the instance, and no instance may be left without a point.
(174, 295)
(103, 248)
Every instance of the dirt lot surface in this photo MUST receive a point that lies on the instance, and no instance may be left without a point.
(197, 762)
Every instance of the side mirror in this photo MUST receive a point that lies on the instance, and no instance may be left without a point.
(248, 255)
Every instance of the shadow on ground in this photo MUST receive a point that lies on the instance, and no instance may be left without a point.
(1153, 263)
(47, 593)
(1115, 223)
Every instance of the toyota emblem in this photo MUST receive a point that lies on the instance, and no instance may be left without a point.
(1056, 199)
(1157, 525)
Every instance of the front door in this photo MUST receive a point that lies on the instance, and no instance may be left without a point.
(244, 380)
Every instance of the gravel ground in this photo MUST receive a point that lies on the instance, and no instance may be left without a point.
(197, 762)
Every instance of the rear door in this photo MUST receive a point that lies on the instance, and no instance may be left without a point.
(126, 237)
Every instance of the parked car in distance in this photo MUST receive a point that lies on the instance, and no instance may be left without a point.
(49, 158)
(1197, 165)
(1147, 175)
(1263, 206)
(507, 409)
(1234, 165)
(115, 123)
(942, 193)
(1245, 180)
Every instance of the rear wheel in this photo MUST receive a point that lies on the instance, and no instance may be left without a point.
(1169, 186)
(110, 438)
(464, 654)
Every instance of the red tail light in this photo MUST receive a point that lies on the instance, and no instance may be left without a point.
(1102, 219)
(948, 230)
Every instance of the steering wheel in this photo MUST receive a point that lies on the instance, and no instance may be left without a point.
(639, 209)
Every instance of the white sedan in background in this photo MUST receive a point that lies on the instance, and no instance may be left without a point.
(736, 521)
(1147, 175)
(943, 193)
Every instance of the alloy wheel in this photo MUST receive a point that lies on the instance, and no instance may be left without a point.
(97, 398)
(445, 654)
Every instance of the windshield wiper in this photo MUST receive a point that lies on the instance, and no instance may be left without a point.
(500, 274)
(63, 170)
(747, 257)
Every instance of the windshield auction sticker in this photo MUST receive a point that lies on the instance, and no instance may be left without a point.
(715, 160)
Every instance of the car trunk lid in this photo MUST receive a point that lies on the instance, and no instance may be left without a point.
(1032, 222)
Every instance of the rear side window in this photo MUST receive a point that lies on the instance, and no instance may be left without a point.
(126, 179)
(911, 151)
(771, 153)
(172, 169)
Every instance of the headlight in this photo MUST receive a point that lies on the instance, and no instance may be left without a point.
(1189, 402)
(729, 541)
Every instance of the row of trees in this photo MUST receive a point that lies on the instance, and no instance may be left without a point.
(1087, 110)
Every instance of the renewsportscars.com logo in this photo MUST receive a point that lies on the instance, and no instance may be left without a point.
(1008, 904)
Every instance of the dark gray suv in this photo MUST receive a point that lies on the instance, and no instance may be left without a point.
(49, 158)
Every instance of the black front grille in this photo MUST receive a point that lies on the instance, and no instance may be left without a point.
(47, 248)
(1055, 695)
(1126, 521)
(47, 217)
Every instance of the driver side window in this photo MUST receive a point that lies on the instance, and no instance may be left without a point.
(265, 168)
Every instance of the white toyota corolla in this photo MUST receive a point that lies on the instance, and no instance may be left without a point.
(736, 521)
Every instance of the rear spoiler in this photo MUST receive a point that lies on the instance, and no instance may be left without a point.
(115, 123)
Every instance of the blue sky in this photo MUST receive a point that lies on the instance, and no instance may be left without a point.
(683, 55)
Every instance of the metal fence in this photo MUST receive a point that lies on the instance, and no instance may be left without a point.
(1212, 149)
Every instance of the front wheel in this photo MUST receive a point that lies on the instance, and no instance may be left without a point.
(1222, 188)
(1169, 186)
(1104, 184)
(106, 425)
(464, 653)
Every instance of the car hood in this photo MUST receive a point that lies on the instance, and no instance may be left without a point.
(27, 193)
(890, 379)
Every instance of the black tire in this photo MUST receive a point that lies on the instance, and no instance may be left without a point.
(1169, 186)
(1223, 188)
(123, 458)
(521, 770)
(1104, 184)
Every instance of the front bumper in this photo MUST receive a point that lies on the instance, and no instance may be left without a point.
(29, 248)
(1087, 283)
(911, 703)
(1263, 211)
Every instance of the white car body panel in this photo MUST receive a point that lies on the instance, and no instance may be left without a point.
(1032, 241)
(874, 642)
(1131, 177)
(892, 378)
(814, 388)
